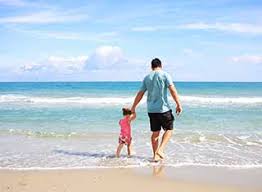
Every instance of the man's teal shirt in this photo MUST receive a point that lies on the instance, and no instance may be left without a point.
(156, 84)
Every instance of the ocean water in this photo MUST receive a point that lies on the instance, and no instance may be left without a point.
(75, 125)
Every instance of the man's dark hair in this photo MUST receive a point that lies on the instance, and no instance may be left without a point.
(156, 63)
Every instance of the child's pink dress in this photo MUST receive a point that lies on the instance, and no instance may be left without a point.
(125, 132)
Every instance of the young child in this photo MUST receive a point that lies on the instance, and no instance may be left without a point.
(125, 132)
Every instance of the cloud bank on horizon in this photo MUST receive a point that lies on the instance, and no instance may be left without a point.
(115, 41)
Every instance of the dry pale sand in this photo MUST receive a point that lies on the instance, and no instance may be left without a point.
(124, 180)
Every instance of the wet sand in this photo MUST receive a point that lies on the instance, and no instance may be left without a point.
(157, 178)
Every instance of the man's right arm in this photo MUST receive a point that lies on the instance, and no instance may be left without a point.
(174, 95)
(138, 98)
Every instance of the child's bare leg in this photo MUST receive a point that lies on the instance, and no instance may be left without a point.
(129, 149)
(119, 148)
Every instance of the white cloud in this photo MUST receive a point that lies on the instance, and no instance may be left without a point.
(229, 27)
(56, 35)
(248, 59)
(71, 63)
(98, 37)
(106, 57)
(55, 63)
(112, 58)
(105, 63)
(64, 35)
(152, 28)
(144, 29)
(32, 67)
(103, 58)
(45, 17)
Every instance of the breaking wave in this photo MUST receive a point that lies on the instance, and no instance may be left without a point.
(21, 99)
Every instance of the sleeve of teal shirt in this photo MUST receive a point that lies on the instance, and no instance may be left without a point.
(169, 80)
(143, 87)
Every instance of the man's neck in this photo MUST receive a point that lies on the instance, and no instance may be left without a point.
(157, 69)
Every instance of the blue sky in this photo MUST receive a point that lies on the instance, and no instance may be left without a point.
(115, 40)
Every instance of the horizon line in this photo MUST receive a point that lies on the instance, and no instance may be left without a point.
(104, 81)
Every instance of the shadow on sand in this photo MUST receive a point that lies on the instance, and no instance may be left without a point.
(97, 155)
(84, 154)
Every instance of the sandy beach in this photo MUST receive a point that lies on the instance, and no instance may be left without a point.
(136, 179)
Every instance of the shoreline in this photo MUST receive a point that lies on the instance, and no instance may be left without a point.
(149, 165)
(153, 178)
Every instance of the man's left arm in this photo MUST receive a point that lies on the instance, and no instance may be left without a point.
(173, 92)
(174, 95)
(138, 98)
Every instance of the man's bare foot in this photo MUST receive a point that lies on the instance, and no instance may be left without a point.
(156, 158)
(161, 154)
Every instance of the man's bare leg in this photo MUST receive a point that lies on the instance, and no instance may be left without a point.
(154, 142)
(165, 138)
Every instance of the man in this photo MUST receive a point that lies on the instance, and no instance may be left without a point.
(159, 111)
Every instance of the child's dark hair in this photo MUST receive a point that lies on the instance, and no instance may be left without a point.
(126, 111)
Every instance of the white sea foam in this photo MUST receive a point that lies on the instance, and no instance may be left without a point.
(223, 100)
(231, 141)
(253, 143)
(71, 168)
(64, 100)
(88, 154)
(9, 98)
(248, 166)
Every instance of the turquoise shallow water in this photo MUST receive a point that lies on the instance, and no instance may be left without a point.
(76, 125)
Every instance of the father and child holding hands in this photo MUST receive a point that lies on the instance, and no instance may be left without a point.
(156, 83)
